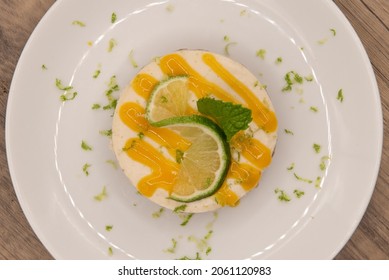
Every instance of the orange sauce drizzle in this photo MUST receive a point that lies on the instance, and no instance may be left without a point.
(163, 171)
(132, 114)
(262, 116)
(175, 65)
(245, 175)
(143, 84)
(225, 196)
(252, 149)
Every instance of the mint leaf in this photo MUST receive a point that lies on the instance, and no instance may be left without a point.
(230, 117)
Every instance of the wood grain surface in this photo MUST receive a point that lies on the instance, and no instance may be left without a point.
(370, 19)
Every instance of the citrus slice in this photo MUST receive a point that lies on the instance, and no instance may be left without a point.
(169, 98)
(204, 166)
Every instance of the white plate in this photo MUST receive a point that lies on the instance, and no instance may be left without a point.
(44, 135)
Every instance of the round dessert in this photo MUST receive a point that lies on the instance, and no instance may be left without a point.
(194, 130)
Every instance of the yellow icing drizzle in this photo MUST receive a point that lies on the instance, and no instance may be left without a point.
(163, 171)
(262, 116)
(143, 84)
(244, 174)
(252, 149)
(174, 65)
(132, 114)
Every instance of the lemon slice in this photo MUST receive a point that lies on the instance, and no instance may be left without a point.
(169, 98)
(204, 166)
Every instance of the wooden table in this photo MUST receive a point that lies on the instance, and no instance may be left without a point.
(370, 18)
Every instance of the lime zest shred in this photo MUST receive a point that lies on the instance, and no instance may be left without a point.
(111, 44)
(298, 193)
(85, 168)
(107, 132)
(110, 251)
(340, 96)
(208, 235)
(261, 53)
(314, 109)
(316, 147)
(322, 41)
(179, 156)
(318, 182)
(113, 17)
(333, 31)
(112, 163)
(290, 167)
(287, 131)
(309, 78)
(111, 105)
(102, 195)
(208, 251)
(127, 147)
(112, 88)
(108, 227)
(180, 208)
(172, 249)
(278, 60)
(186, 219)
(302, 179)
(291, 78)
(141, 135)
(198, 257)
(97, 72)
(96, 106)
(132, 60)
(44, 67)
(58, 84)
(201, 243)
(69, 96)
(157, 214)
(78, 23)
(85, 146)
(323, 165)
(282, 195)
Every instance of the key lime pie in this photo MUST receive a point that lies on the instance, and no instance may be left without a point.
(194, 131)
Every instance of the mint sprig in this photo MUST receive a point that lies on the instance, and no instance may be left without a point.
(230, 117)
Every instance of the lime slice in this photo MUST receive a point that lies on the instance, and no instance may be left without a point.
(204, 166)
(169, 98)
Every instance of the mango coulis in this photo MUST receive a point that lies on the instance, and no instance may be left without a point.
(132, 114)
(164, 171)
